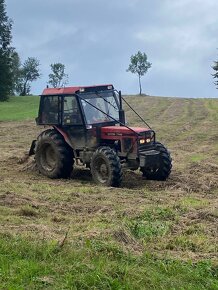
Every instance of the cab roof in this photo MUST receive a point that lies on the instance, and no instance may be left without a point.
(73, 90)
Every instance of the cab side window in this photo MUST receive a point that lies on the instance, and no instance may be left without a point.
(71, 114)
(50, 109)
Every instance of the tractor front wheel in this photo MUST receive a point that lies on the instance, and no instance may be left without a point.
(105, 167)
(54, 157)
(162, 170)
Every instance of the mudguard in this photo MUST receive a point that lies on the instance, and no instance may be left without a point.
(32, 148)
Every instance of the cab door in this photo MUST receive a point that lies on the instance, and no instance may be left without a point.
(73, 122)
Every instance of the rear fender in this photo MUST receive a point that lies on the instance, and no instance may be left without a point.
(64, 134)
(32, 148)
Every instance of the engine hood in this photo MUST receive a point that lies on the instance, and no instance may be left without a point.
(124, 131)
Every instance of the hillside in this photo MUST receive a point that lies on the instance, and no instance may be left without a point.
(72, 234)
(19, 108)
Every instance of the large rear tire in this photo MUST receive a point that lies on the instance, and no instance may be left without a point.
(163, 170)
(54, 157)
(105, 167)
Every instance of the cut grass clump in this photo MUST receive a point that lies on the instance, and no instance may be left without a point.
(192, 202)
(153, 222)
(190, 242)
(147, 230)
(160, 213)
(28, 211)
(197, 157)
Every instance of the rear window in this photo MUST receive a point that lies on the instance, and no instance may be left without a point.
(50, 110)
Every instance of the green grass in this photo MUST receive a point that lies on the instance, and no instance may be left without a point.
(194, 202)
(95, 265)
(19, 108)
(197, 157)
(152, 223)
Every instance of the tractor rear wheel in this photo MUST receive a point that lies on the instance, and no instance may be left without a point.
(162, 171)
(105, 167)
(54, 157)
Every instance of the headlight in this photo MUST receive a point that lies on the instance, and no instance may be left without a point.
(146, 137)
(143, 141)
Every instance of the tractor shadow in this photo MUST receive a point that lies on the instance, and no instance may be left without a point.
(131, 180)
(81, 174)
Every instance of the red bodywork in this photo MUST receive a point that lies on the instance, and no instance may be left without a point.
(113, 133)
(110, 131)
(122, 133)
(68, 90)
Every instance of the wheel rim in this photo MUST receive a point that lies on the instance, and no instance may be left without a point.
(101, 170)
(48, 158)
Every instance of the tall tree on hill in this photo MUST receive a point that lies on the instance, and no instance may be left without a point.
(28, 73)
(139, 65)
(215, 75)
(5, 53)
(58, 78)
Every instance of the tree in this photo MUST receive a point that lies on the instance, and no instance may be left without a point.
(215, 75)
(29, 72)
(5, 54)
(139, 65)
(58, 78)
(16, 70)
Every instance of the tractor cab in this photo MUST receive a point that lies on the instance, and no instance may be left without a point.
(79, 106)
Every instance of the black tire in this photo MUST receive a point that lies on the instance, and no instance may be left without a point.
(162, 171)
(105, 167)
(54, 157)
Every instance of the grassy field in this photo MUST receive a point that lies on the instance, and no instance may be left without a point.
(72, 234)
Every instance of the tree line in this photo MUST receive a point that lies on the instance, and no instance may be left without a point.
(24, 74)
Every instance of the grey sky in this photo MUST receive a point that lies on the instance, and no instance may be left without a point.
(95, 39)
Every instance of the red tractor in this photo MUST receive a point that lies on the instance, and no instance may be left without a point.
(88, 128)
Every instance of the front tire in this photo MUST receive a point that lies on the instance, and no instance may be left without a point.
(105, 167)
(163, 169)
(54, 157)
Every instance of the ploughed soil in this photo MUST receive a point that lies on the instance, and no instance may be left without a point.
(36, 207)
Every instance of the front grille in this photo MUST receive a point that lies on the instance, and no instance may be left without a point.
(127, 144)
(146, 146)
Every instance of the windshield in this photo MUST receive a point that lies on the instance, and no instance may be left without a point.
(99, 108)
